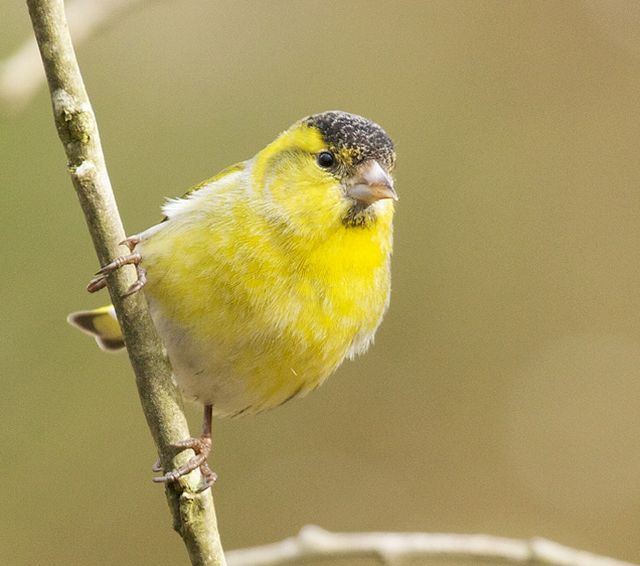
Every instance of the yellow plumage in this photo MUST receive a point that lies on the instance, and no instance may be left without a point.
(264, 278)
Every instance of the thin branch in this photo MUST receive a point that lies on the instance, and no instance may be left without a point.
(193, 513)
(393, 549)
(21, 73)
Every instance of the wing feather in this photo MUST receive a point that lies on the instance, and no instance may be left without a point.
(176, 203)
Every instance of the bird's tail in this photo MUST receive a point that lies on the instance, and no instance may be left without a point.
(100, 323)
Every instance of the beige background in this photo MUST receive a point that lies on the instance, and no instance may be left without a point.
(502, 395)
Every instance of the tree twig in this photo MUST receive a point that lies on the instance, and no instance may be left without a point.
(394, 549)
(193, 513)
(21, 73)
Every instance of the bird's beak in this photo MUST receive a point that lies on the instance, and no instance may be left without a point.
(370, 184)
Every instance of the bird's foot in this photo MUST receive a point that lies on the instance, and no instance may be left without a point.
(131, 242)
(99, 281)
(202, 448)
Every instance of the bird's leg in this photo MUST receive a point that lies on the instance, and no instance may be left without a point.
(99, 281)
(202, 447)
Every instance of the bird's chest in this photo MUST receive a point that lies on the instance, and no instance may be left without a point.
(254, 326)
(335, 291)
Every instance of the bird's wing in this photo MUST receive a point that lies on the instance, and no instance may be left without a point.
(236, 168)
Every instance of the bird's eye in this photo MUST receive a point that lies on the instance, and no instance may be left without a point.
(326, 159)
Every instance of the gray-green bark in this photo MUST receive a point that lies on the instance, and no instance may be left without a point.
(193, 513)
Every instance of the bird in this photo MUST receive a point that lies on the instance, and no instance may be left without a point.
(263, 279)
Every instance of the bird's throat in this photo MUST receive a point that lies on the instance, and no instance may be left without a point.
(359, 215)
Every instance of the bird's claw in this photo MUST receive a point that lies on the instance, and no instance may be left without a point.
(138, 283)
(202, 449)
(99, 281)
(131, 242)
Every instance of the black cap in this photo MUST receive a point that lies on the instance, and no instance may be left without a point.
(361, 138)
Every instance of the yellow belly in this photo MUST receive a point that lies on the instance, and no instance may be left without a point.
(251, 317)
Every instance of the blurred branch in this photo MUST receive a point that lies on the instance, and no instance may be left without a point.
(193, 513)
(21, 74)
(394, 549)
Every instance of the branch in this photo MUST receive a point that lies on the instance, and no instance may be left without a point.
(393, 549)
(21, 74)
(193, 513)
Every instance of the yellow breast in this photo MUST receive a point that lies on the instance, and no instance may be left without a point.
(263, 314)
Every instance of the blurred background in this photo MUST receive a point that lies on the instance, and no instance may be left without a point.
(502, 395)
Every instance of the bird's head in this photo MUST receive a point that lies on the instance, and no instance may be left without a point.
(330, 169)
